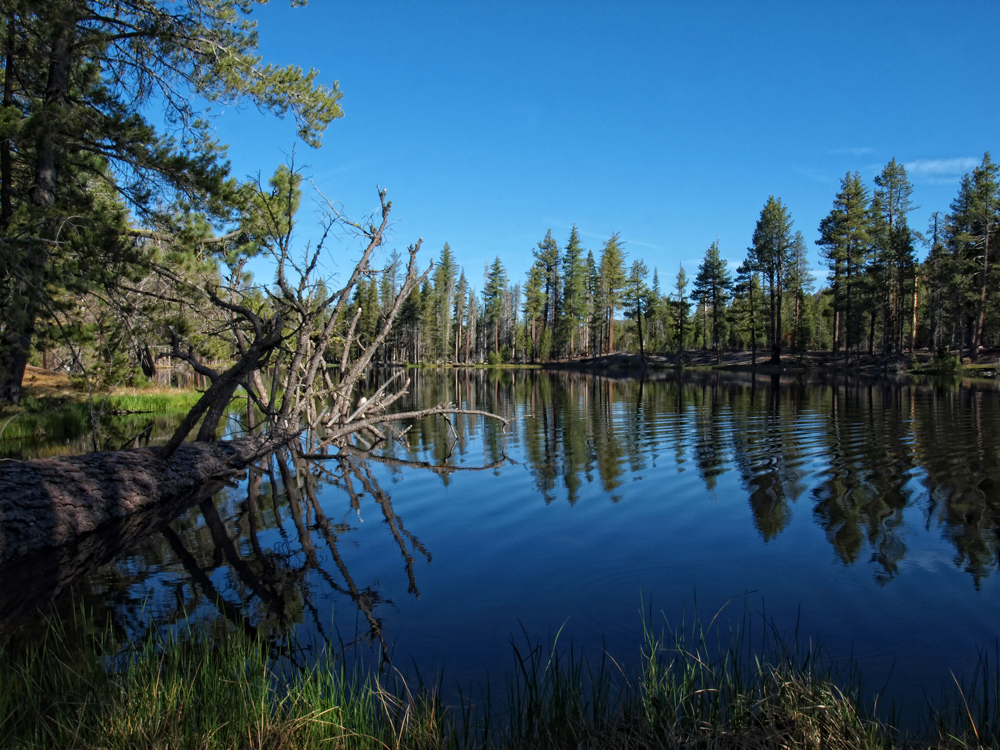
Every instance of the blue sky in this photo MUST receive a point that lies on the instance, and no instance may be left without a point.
(668, 122)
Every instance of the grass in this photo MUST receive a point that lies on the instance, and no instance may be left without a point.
(696, 688)
(184, 690)
(46, 426)
(62, 418)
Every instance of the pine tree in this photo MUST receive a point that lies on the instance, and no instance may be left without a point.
(534, 305)
(713, 285)
(750, 297)
(682, 306)
(984, 209)
(444, 294)
(935, 270)
(472, 328)
(845, 239)
(771, 244)
(460, 311)
(81, 77)
(594, 305)
(612, 283)
(799, 283)
(574, 297)
(637, 299)
(409, 322)
(547, 258)
(892, 261)
(656, 313)
(388, 286)
(428, 323)
(493, 300)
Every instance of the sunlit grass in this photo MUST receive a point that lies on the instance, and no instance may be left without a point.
(61, 418)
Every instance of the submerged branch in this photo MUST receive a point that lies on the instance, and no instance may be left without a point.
(336, 433)
(403, 463)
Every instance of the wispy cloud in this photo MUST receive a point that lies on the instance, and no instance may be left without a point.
(940, 170)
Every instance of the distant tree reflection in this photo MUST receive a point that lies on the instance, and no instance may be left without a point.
(863, 459)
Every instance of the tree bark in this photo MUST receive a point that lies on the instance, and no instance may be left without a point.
(19, 322)
(51, 502)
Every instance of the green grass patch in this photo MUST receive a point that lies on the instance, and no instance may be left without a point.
(151, 402)
(43, 425)
(69, 418)
(188, 689)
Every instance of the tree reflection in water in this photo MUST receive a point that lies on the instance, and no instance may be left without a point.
(271, 588)
(863, 464)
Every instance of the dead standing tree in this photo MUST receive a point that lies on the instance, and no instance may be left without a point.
(320, 337)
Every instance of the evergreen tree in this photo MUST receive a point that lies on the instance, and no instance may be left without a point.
(594, 306)
(494, 300)
(749, 298)
(845, 237)
(80, 77)
(534, 305)
(682, 306)
(637, 298)
(612, 283)
(512, 301)
(472, 329)
(936, 271)
(428, 323)
(771, 245)
(366, 298)
(656, 313)
(983, 214)
(713, 285)
(799, 283)
(574, 296)
(547, 258)
(444, 297)
(460, 312)
(892, 261)
(409, 322)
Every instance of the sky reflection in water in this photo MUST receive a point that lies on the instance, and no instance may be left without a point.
(862, 515)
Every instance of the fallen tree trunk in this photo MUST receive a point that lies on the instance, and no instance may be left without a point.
(33, 581)
(50, 502)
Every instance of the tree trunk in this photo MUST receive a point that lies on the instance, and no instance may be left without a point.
(836, 329)
(51, 502)
(642, 349)
(19, 324)
(977, 338)
(6, 165)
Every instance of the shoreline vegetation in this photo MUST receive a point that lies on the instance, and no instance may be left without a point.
(55, 405)
(191, 687)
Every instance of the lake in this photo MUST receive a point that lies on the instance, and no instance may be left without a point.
(857, 513)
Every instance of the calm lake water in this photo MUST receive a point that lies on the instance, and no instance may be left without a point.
(859, 514)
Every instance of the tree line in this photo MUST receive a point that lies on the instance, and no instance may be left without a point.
(878, 298)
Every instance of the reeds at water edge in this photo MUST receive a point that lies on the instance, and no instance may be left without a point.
(699, 685)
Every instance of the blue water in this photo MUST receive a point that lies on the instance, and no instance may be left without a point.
(859, 515)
